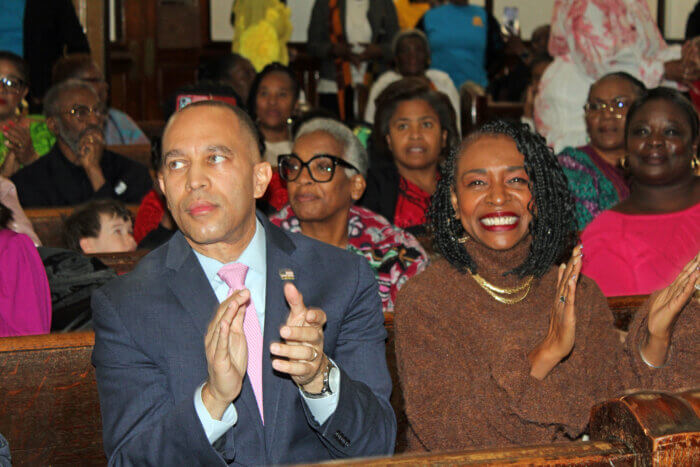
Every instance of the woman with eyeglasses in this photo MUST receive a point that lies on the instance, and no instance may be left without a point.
(641, 243)
(325, 176)
(23, 138)
(596, 179)
(413, 131)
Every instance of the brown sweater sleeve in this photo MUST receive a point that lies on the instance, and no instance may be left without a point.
(591, 373)
(682, 369)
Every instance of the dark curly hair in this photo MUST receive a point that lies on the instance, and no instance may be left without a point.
(553, 226)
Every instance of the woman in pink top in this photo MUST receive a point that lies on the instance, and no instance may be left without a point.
(25, 299)
(642, 243)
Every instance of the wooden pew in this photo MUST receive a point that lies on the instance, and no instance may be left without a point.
(48, 223)
(51, 375)
(477, 109)
(50, 410)
(649, 428)
(121, 263)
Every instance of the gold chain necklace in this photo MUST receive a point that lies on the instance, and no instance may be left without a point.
(520, 291)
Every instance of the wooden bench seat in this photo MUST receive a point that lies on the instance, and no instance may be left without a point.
(50, 416)
(52, 375)
(50, 410)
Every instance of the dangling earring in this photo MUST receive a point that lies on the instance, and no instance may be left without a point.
(624, 162)
(695, 163)
(464, 238)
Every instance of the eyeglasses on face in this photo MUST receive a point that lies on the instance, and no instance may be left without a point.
(321, 167)
(616, 106)
(83, 112)
(12, 84)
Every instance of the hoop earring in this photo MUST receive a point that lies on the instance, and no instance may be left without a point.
(695, 163)
(464, 238)
(624, 162)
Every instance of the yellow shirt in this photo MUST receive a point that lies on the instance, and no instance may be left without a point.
(410, 12)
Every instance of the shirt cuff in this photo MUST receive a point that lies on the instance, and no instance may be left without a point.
(322, 408)
(214, 429)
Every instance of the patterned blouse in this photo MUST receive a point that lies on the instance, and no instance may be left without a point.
(595, 184)
(411, 205)
(393, 254)
(42, 138)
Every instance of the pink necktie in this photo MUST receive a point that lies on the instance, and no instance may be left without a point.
(234, 276)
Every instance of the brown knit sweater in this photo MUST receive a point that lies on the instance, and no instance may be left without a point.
(682, 370)
(462, 358)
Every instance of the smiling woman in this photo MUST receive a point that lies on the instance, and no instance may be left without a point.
(642, 243)
(508, 332)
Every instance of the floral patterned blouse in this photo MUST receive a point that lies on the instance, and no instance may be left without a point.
(393, 254)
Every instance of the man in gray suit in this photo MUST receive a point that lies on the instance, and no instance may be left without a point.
(187, 376)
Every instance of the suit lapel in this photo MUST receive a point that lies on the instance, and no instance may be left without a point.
(279, 256)
(192, 289)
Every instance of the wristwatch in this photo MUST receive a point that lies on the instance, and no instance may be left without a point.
(326, 391)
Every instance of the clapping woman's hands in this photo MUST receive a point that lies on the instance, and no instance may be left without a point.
(664, 309)
(560, 337)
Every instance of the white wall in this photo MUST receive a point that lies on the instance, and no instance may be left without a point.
(677, 12)
(531, 13)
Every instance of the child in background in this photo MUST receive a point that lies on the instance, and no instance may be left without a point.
(100, 226)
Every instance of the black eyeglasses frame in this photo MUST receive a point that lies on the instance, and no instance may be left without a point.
(335, 159)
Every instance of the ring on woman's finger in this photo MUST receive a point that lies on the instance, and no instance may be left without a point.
(562, 299)
(315, 354)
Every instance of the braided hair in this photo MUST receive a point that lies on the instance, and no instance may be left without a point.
(553, 226)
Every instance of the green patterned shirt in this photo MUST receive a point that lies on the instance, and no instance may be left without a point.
(42, 138)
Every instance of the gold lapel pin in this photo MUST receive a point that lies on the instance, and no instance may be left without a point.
(286, 274)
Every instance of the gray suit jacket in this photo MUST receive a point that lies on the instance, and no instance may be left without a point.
(149, 359)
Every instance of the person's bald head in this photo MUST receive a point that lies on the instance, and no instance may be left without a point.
(240, 117)
(211, 173)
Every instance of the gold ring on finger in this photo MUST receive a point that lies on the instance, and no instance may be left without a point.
(562, 299)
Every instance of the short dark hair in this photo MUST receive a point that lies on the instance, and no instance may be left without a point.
(269, 69)
(669, 95)
(553, 225)
(84, 221)
(243, 118)
(69, 66)
(5, 216)
(17, 61)
(639, 87)
(409, 89)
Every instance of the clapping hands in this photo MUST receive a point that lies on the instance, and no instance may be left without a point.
(561, 335)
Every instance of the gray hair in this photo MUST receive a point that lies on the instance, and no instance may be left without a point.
(52, 99)
(353, 151)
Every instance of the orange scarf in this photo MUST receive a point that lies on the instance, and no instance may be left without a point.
(342, 67)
